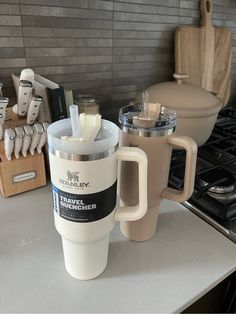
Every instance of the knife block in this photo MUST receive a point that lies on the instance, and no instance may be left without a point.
(12, 120)
(20, 175)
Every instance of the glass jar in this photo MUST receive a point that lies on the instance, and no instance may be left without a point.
(87, 104)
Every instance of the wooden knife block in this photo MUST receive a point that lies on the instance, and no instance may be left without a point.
(12, 119)
(20, 175)
(23, 174)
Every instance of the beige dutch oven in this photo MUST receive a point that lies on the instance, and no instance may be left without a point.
(196, 109)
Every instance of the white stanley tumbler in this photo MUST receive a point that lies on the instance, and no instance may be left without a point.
(84, 181)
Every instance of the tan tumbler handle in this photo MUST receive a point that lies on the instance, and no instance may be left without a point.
(190, 166)
(131, 213)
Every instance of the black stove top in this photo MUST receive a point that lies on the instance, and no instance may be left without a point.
(214, 195)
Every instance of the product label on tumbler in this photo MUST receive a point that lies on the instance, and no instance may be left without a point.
(84, 191)
(84, 208)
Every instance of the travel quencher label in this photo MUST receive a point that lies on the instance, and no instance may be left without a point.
(84, 191)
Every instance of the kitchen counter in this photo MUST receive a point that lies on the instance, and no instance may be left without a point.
(185, 259)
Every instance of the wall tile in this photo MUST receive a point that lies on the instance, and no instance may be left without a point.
(140, 65)
(64, 78)
(45, 61)
(159, 58)
(64, 12)
(188, 4)
(59, 3)
(189, 13)
(11, 53)
(101, 5)
(10, 31)
(11, 42)
(67, 42)
(151, 9)
(66, 32)
(131, 17)
(12, 62)
(134, 51)
(111, 48)
(143, 34)
(75, 68)
(143, 26)
(9, 1)
(60, 22)
(166, 3)
(9, 9)
(141, 43)
(90, 84)
(10, 20)
(66, 52)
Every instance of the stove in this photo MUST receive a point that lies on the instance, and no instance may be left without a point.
(214, 196)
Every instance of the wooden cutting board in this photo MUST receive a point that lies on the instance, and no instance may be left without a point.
(205, 54)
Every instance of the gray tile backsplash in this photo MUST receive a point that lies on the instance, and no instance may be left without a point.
(110, 48)
(10, 20)
(69, 33)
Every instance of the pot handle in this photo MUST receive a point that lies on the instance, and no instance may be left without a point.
(131, 213)
(190, 166)
(179, 77)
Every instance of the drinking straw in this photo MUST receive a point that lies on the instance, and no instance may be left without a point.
(74, 116)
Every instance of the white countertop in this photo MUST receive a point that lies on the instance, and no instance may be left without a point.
(185, 259)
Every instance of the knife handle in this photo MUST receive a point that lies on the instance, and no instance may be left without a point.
(42, 142)
(1, 132)
(28, 75)
(34, 142)
(1, 86)
(9, 138)
(43, 137)
(38, 130)
(24, 96)
(3, 104)
(18, 141)
(28, 132)
(33, 110)
(25, 145)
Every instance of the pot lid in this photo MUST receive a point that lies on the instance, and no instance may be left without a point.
(178, 94)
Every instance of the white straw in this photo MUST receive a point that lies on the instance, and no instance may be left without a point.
(144, 108)
(74, 116)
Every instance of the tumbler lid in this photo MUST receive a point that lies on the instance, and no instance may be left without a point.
(163, 125)
(107, 138)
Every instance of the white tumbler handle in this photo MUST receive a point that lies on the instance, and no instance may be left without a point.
(132, 213)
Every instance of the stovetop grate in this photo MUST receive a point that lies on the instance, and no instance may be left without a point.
(216, 156)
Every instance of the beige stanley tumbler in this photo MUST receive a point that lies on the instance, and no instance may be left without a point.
(157, 141)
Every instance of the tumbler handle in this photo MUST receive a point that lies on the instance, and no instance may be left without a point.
(190, 166)
(131, 213)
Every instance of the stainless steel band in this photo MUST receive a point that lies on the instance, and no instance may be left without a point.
(83, 157)
(147, 133)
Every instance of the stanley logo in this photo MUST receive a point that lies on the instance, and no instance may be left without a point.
(73, 176)
(73, 181)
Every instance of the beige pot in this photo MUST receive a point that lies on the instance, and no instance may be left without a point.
(196, 109)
